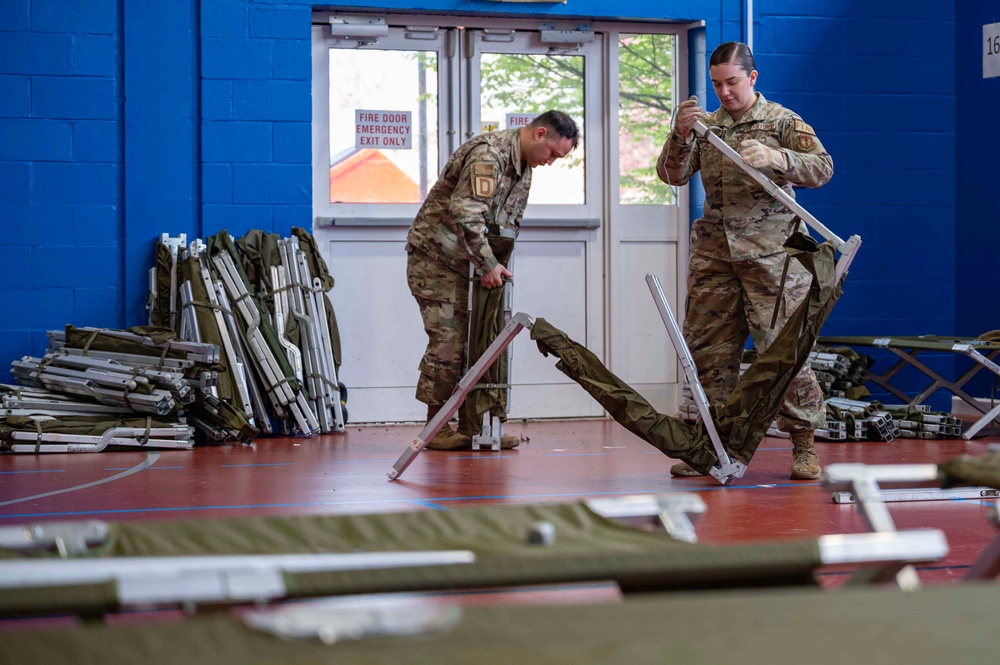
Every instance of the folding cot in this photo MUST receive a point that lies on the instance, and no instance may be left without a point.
(500, 546)
(980, 351)
(93, 567)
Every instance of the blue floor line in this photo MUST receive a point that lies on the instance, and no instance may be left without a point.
(428, 504)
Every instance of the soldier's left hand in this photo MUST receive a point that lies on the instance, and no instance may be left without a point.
(758, 155)
(495, 277)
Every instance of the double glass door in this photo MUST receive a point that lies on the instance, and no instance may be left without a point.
(388, 110)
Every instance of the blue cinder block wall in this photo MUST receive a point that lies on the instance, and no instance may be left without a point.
(977, 211)
(60, 170)
(876, 80)
(122, 120)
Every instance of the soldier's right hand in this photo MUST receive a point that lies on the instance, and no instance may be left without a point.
(687, 113)
(495, 277)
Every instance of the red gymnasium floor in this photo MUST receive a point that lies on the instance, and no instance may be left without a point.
(558, 461)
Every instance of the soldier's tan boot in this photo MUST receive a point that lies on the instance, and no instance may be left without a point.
(684, 470)
(446, 438)
(508, 441)
(449, 439)
(805, 461)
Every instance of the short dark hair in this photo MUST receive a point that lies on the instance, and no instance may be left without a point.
(737, 52)
(558, 122)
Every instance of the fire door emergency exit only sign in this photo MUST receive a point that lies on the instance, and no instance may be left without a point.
(991, 50)
(383, 129)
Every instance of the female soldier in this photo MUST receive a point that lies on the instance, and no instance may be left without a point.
(737, 258)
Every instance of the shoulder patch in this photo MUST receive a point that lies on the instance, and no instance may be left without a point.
(802, 127)
(484, 181)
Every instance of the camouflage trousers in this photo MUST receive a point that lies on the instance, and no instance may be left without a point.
(443, 297)
(726, 301)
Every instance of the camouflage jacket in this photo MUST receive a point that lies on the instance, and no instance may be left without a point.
(740, 220)
(484, 186)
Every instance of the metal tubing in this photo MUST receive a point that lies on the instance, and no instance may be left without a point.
(727, 468)
(770, 187)
(517, 323)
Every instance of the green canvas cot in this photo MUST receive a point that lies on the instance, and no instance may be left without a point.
(744, 419)
(585, 547)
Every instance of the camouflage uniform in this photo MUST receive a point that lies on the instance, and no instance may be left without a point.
(483, 187)
(737, 257)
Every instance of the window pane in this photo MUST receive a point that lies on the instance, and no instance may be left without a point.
(645, 91)
(530, 85)
(393, 81)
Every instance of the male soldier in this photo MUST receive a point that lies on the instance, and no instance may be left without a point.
(483, 188)
(737, 257)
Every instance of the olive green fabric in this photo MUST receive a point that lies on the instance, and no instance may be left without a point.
(982, 471)
(846, 417)
(955, 624)
(78, 425)
(208, 327)
(497, 530)
(73, 599)
(258, 252)
(77, 338)
(986, 341)
(672, 436)
(587, 547)
(485, 323)
(318, 269)
(159, 314)
(663, 565)
(221, 242)
(743, 420)
(222, 413)
(97, 340)
(852, 384)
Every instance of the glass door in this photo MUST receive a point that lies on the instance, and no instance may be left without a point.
(514, 75)
(382, 126)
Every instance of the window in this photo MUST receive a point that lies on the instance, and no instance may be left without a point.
(529, 84)
(645, 101)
